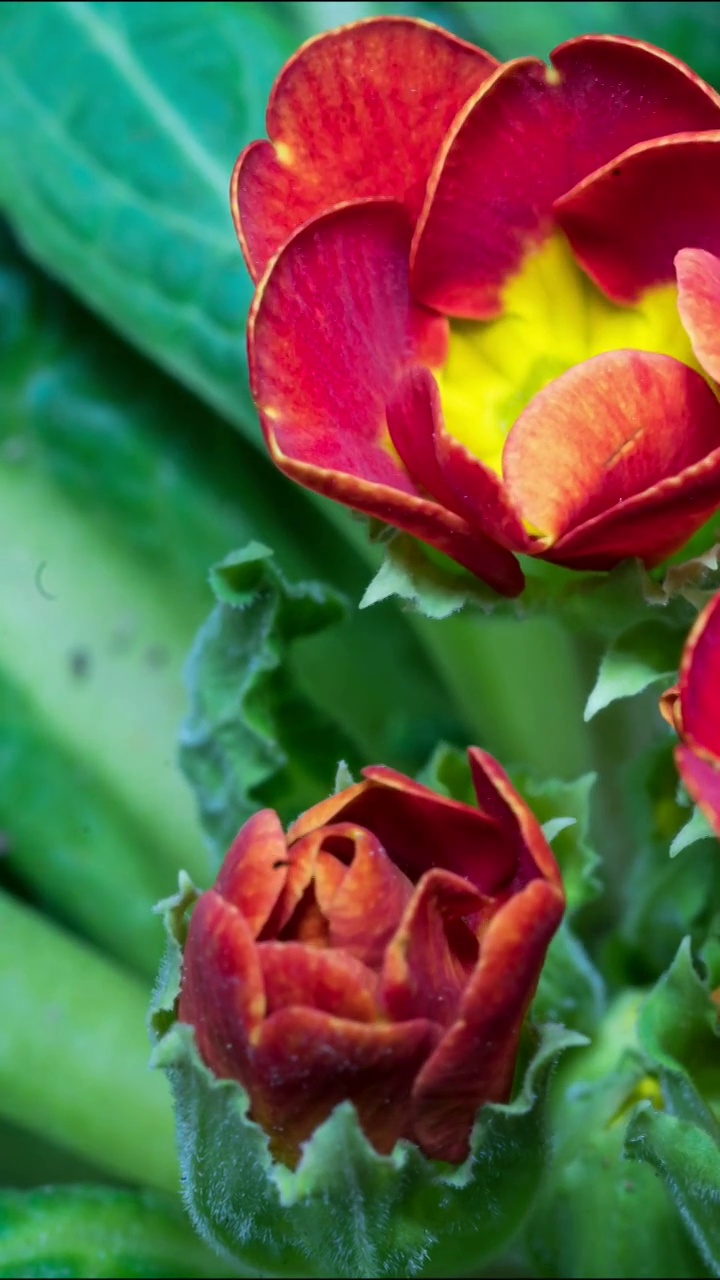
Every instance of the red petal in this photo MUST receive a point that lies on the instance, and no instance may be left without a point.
(332, 330)
(443, 467)
(365, 907)
(325, 812)
(357, 112)
(331, 981)
(498, 798)
(222, 993)
(475, 1060)
(699, 682)
(525, 138)
(609, 430)
(702, 779)
(429, 961)
(698, 276)
(253, 872)
(307, 1062)
(627, 221)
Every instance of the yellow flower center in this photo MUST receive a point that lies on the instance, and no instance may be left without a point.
(553, 317)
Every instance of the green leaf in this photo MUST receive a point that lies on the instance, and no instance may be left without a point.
(119, 127)
(571, 990)
(552, 800)
(641, 656)
(250, 738)
(696, 828)
(74, 1051)
(94, 1231)
(688, 1162)
(427, 583)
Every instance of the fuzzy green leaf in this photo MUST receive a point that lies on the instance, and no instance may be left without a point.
(646, 654)
(250, 738)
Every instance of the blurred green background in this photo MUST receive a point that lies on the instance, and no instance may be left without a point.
(130, 461)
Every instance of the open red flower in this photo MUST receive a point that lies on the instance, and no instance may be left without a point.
(385, 951)
(692, 707)
(468, 321)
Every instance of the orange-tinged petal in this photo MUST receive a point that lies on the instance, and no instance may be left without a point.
(669, 704)
(222, 994)
(253, 872)
(332, 330)
(357, 112)
(325, 812)
(528, 135)
(702, 779)
(307, 1062)
(430, 959)
(699, 682)
(475, 1060)
(364, 907)
(626, 222)
(698, 277)
(608, 430)
(331, 981)
(497, 797)
(421, 830)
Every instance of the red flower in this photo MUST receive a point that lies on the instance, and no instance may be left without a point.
(692, 707)
(385, 951)
(466, 320)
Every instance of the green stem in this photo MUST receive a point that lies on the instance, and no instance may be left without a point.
(520, 687)
(74, 1052)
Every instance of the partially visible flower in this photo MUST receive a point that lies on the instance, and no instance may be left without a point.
(692, 707)
(468, 321)
(385, 951)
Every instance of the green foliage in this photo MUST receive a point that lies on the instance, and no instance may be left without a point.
(250, 738)
(93, 1231)
(646, 654)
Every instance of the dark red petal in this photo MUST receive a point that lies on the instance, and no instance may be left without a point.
(332, 330)
(331, 981)
(699, 682)
(325, 812)
(626, 222)
(253, 872)
(442, 466)
(364, 908)
(526, 137)
(222, 994)
(357, 112)
(307, 1062)
(420, 830)
(698, 277)
(497, 797)
(475, 1060)
(610, 429)
(702, 779)
(429, 961)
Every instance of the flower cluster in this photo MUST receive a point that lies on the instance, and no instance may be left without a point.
(487, 298)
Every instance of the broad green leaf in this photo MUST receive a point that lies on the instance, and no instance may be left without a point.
(391, 1215)
(119, 127)
(74, 1052)
(551, 800)
(646, 654)
(94, 1231)
(67, 837)
(250, 738)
